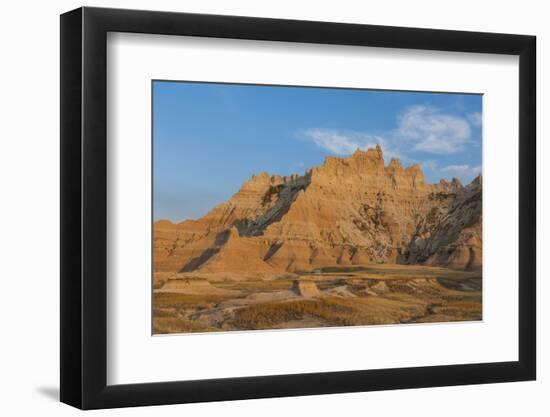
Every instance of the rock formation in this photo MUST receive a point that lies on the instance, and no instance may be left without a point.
(349, 211)
(305, 288)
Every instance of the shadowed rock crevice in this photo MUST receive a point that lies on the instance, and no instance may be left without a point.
(200, 260)
(451, 237)
(220, 240)
(284, 195)
(272, 251)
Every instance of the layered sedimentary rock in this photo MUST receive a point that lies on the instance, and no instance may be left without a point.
(349, 211)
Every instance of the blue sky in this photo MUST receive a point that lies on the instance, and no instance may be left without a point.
(209, 138)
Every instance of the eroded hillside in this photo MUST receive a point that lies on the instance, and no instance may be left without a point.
(349, 211)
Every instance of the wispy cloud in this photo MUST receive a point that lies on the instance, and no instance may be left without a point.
(419, 128)
(420, 131)
(429, 130)
(462, 171)
(338, 142)
(430, 164)
(475, 118)
(345, 143)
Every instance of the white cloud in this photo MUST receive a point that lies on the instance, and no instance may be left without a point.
(463, 171)
(429, 130)
(336, 142)
(430, 164)
(419, 128)
(475, 118)
(345, 143)
(423, 129)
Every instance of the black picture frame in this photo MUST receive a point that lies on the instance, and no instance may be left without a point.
(84, 207)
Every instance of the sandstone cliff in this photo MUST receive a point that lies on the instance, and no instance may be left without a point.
(349, 211)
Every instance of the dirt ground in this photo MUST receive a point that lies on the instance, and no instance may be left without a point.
(335, 296)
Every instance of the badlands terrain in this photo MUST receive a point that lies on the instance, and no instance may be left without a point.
(352, 242)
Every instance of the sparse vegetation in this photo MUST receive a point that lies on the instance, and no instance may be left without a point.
(164, 325)
(258, 285)
(362, 297)
(178, 300)
(266, 315)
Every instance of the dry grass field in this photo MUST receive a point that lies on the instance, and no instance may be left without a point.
(354, 296)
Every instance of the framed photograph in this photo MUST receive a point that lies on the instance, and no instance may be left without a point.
(259, 208)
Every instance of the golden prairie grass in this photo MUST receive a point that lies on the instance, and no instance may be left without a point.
(267, 315)
(460, 310)
(465, 304)
(164, 325)
(164, 312)
(178, 300)
(394, 271)
(257, 285)
(334, 311)
(363, 300)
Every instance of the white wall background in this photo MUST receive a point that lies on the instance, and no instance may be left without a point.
(29, 228)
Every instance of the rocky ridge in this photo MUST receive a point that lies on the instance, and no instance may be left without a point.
(348, 211)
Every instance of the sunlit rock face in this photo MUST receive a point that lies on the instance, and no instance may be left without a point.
(348, 211)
